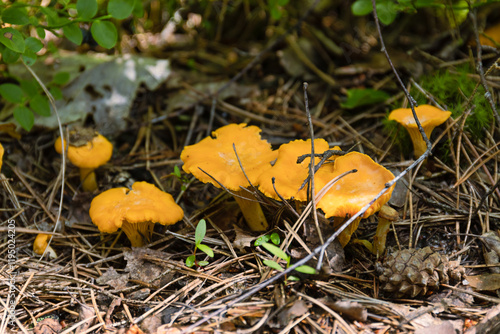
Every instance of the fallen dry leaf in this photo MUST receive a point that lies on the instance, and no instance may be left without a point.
(490, 282)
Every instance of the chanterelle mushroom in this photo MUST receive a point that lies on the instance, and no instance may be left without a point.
(289, 175)
(87, 150)
(214, 158)
(429, 118)
(41, 244)
(353, 191)
(134, 211)
(1, 156)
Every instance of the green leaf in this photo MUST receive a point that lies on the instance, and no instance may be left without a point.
(202, 263)
(276, 251)
(73, 33)
(387, 12)
(61, 78)
(56, 93)
(205, 249)
(30, 87)
(104, 33)
(9, 56)
(15, 15)
(362, 97)
(190, 261)
(120, 9)
(40, 105)
(261, 239)
(201, 230)
(11, 92)
(273, 265)
(29, 57)
(40, 32)
(275, 238)
(177, 171)
(52, 16)
(293, 278)
(34, 44)
(12, 39)
(86, 9)
(306, 270)
(138, 9)
(362, 7)
(24, 117)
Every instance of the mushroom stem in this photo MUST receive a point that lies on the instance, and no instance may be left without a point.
(88, 179)
(138, 233)
(345, 235)
(419, 145)
(252, 211)
(386, 216)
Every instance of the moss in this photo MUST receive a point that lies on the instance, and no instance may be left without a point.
(452, 91)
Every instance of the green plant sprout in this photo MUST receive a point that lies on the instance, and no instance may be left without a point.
(274, 237)
(183, 179)
(199, 234)
(276, 251)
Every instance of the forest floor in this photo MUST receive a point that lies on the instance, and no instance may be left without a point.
(98, 283)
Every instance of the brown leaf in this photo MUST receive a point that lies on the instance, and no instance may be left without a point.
(488, 282)
(86, 313)
(48, 325)
(297, 309)
(350, 309)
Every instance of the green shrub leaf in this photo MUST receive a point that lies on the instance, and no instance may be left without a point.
(9, 56)
(12, 39)
(362, 7)
(138, 9)
(104, 33)
(86, 9)
(15, 15)
(30, 87)
(34, 44)
(29, 57)
(11, 92)
(73, 33)
(205, 249)
(120, 9)
(362, 97)
(40, 105)
(56, 93)
(24, 117)
(61, 78)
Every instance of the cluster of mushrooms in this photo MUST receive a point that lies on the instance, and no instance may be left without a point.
(236, 158)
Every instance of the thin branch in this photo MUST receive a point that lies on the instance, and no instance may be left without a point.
(410, 98)
(487, 94)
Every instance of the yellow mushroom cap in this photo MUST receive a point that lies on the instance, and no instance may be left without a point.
(144, 203)
(355, 190)
(289, 175)
(40, 243)
(494, 33)
(1, 155)
(216, 156)
(429, 117)
(91, 155)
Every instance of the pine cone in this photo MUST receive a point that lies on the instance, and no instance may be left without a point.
(413, 272)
